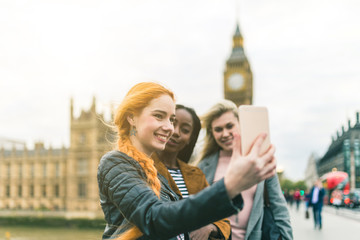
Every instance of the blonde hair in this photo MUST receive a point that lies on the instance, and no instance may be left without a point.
(210, 145)
(138, 97)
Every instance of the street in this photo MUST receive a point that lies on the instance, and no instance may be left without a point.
(342, 224)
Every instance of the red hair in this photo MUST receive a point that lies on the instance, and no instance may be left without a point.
(138, 97)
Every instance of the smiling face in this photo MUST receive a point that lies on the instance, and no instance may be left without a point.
(154, 125)
(223, 129)
(183, 128)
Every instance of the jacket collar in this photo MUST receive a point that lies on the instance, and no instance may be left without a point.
(190, 174)
(208, 166)
(162, 170)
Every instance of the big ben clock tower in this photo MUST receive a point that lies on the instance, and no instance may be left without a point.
(238, 82)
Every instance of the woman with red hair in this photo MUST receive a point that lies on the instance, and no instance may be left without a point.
(137, 202)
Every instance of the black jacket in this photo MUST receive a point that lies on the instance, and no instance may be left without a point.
(126, 197)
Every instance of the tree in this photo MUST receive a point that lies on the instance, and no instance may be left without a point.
(300, 185)
(287, 184)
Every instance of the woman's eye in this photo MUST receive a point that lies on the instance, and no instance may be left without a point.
(218, 129)
(158, 116)
(186, 131)
(229, 126)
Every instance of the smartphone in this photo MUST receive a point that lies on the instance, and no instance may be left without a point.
(253, 121)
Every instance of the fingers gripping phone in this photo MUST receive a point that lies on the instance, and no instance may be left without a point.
(253, 121)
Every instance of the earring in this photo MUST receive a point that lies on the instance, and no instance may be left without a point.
(133, 131)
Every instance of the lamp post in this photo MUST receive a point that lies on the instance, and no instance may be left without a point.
(280, 171)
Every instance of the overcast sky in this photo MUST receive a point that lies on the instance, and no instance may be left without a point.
(305, 58)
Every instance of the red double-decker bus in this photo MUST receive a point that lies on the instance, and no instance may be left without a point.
(336, 185)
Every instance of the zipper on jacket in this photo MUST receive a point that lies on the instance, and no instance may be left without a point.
(163, 195)
(168, 195)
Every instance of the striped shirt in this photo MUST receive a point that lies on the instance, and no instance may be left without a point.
(179, 180)
(180, 183)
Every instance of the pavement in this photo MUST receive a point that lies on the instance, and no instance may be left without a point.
(341, 224)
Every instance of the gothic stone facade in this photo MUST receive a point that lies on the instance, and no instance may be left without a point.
(57, 179)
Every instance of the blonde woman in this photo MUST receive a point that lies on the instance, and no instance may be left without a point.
(222, 126)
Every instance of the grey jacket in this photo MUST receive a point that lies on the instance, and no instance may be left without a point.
(277, 202)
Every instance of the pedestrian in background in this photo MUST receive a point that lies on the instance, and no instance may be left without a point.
(137, 202)
(316, 200)
(287, 196)
(297, 198)
(222, 124)
(291, 197)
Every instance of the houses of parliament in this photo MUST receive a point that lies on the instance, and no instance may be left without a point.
(65, 179)
(57, 179)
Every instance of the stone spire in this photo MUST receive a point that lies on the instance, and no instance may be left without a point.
(237, 38)
(93, 105)
(71, 108)
(237, 54)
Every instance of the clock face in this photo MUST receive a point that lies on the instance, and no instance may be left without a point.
(235, 81)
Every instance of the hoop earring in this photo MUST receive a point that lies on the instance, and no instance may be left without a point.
(133, 131)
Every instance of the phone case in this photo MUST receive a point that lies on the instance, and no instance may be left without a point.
(253, 121)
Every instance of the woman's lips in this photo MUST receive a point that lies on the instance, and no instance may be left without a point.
(227, 142)
(172, 142)
(162, 138)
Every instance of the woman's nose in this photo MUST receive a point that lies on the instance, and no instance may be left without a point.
(168, 126)
(176, 130)
(226, 133)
